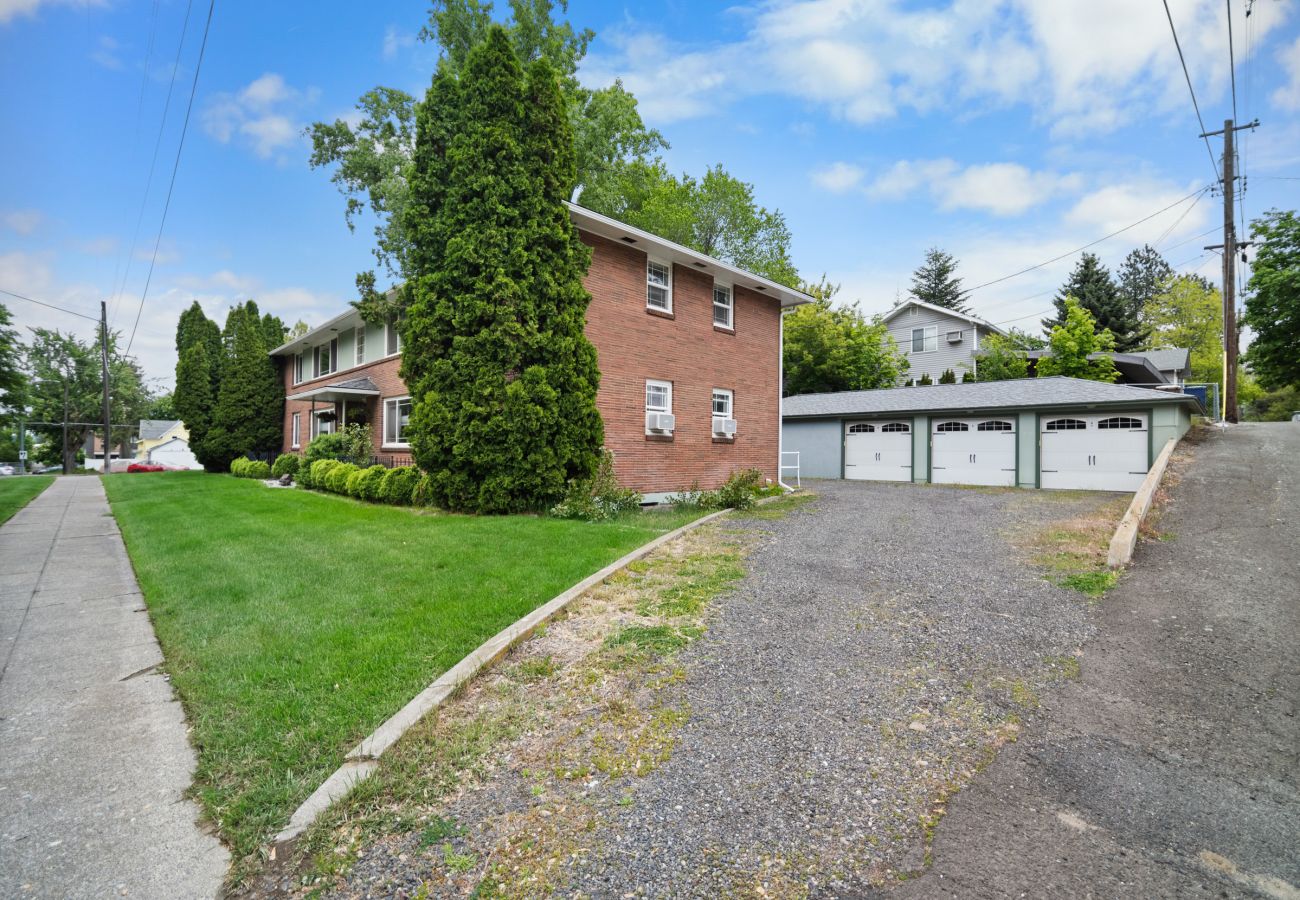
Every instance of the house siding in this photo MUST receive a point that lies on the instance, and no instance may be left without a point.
(958, 357)
(820, 443)
(633, 345)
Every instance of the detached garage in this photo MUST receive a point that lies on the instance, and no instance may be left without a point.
(1033, 432)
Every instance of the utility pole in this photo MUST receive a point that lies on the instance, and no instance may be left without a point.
(103, 352)
(1230, 246)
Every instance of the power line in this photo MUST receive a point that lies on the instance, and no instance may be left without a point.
(1232, 63)
(1048, 262)
(71, 312)
(1195, 237)
(157, 145)
(1170, 230)
(194, 85)
(1213, 162)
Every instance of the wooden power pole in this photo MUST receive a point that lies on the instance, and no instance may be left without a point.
(1230, 246)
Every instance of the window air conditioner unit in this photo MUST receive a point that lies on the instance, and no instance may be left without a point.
(724, 427)
(954, 337)
(660, 422)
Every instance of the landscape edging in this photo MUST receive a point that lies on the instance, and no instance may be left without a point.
(1123, 542)
(361, 762)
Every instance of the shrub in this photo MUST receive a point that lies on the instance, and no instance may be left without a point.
(326, 446)
(369, 483)
(399, 485)
(286, 464)
(237, 466)
(336, 482)
(598, 497)
(924, 380)
(948, 377)
(967, 377)
(740, 489)
(354, 484)
(318, 471)
(358, 444)
(257, 468)
(423, 493)
(909, 383)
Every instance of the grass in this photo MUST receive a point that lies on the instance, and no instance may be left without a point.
(1073, 551)
(294, 623)
(17, 491)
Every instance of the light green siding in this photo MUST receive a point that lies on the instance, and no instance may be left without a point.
(374, 342)
(347, 350)
(920, 449)
(1168, 422)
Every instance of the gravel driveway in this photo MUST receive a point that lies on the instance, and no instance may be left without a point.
(885, 640)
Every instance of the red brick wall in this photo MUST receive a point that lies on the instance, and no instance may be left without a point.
(382, 372)
(634, 345)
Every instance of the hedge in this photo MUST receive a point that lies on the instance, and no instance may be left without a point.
(286, 464)
(336, 482)
(249, 468)
(399, 484)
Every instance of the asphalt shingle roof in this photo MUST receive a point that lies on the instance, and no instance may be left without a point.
(153, 429)
(1170, 359)
(1056, 390)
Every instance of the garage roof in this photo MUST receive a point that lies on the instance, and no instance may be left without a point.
(1020, 393)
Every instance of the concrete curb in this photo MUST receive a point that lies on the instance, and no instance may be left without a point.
(362, 760)
(1126, 535)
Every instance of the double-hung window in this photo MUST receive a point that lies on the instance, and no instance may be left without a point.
(658, 407)
(297, 431)
(397, 418)
(392, 338)
(361, 344)
(658, 286)
(722, 403)
(326, 358)
(297, 368)
(723, 306)
(925, 340)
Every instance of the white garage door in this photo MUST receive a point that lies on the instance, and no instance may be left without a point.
(973, 451)
(175, 456)
(1100, 453)
(878, 451)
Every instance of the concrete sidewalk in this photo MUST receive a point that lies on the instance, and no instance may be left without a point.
(94, 757)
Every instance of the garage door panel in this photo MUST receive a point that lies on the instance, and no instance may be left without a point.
(878, 451)
(973, 451)
(1094, 452)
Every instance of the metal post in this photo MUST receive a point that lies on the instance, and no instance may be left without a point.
(67, 463)
(22, 450)
(103, 353)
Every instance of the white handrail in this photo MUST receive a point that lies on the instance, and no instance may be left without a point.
(787, 466)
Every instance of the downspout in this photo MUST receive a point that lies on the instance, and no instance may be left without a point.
(780, 399)
(975, 354)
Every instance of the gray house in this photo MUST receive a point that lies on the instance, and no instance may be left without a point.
(934, 338)
(1051, 432)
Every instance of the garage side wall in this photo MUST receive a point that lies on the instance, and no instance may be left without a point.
(1027, 460)
(820, 443)
(1168, 422)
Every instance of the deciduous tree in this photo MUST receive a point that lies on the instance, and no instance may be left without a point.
(830, 348)
(1273, 300)
(1074, 342)
(502, 376)
(1189, 313)
(1001, 359)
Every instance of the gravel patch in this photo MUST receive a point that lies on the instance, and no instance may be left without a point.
(886, 640)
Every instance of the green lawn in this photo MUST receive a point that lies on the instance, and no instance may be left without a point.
(293, 623)
(16, 491)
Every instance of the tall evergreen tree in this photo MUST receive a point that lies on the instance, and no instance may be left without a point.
(935, 281)
(13, 379)
(248, 415)
(198, 352)
(1091, 286)
(1142, 277)
(502, 377)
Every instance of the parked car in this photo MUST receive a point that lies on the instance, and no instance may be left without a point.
(6, 469)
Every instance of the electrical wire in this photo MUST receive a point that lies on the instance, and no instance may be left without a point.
(1195, 237)
(1170, 230)
(62, 309)
(1232, 62)
(1048, 262)
(194, 86)
(148, 184)
(1213, 162)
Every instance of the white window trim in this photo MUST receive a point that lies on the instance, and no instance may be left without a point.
(925, 339)
(667, 286)
(297, 368)
(359, 344)
(668, 388)
(316, 422)
(731, 403)
(390, 329)
(730, 324)
(295, 434)
(385, 442)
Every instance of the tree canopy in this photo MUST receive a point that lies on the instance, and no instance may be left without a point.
(502, 377)
(13, 379)
(1000, 359)
(198, 352)
(247, 416)
(1188, 312)
(829, 348)
(1142, 276)
(1073, 342)
(1091, 286)
(1273, 300)
(935, 281)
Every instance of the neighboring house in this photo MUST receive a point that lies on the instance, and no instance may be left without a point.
(935, 339)
(690, 361)
(1051, 432)
(1147, 368)
(154, 432)
(93, 447)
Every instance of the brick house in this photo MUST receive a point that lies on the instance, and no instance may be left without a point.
(690, 359)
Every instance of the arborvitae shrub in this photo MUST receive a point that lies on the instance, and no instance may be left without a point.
(354, 484)
(336, 482)
(925, 380)
(399, 485)
(319, 471)
(257, 468)
(370, 482)
(948, 377)
(286, 464)
(967, 377)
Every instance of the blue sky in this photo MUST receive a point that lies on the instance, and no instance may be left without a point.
(1005, 132)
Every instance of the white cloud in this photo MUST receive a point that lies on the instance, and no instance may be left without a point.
(1288, 95)
(100, 246)
(838, 177)
(1080, 65)
(396, 40)
(1002, 189)
(23, 221)
(260, 115)
(105, 53)
(12, 9)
